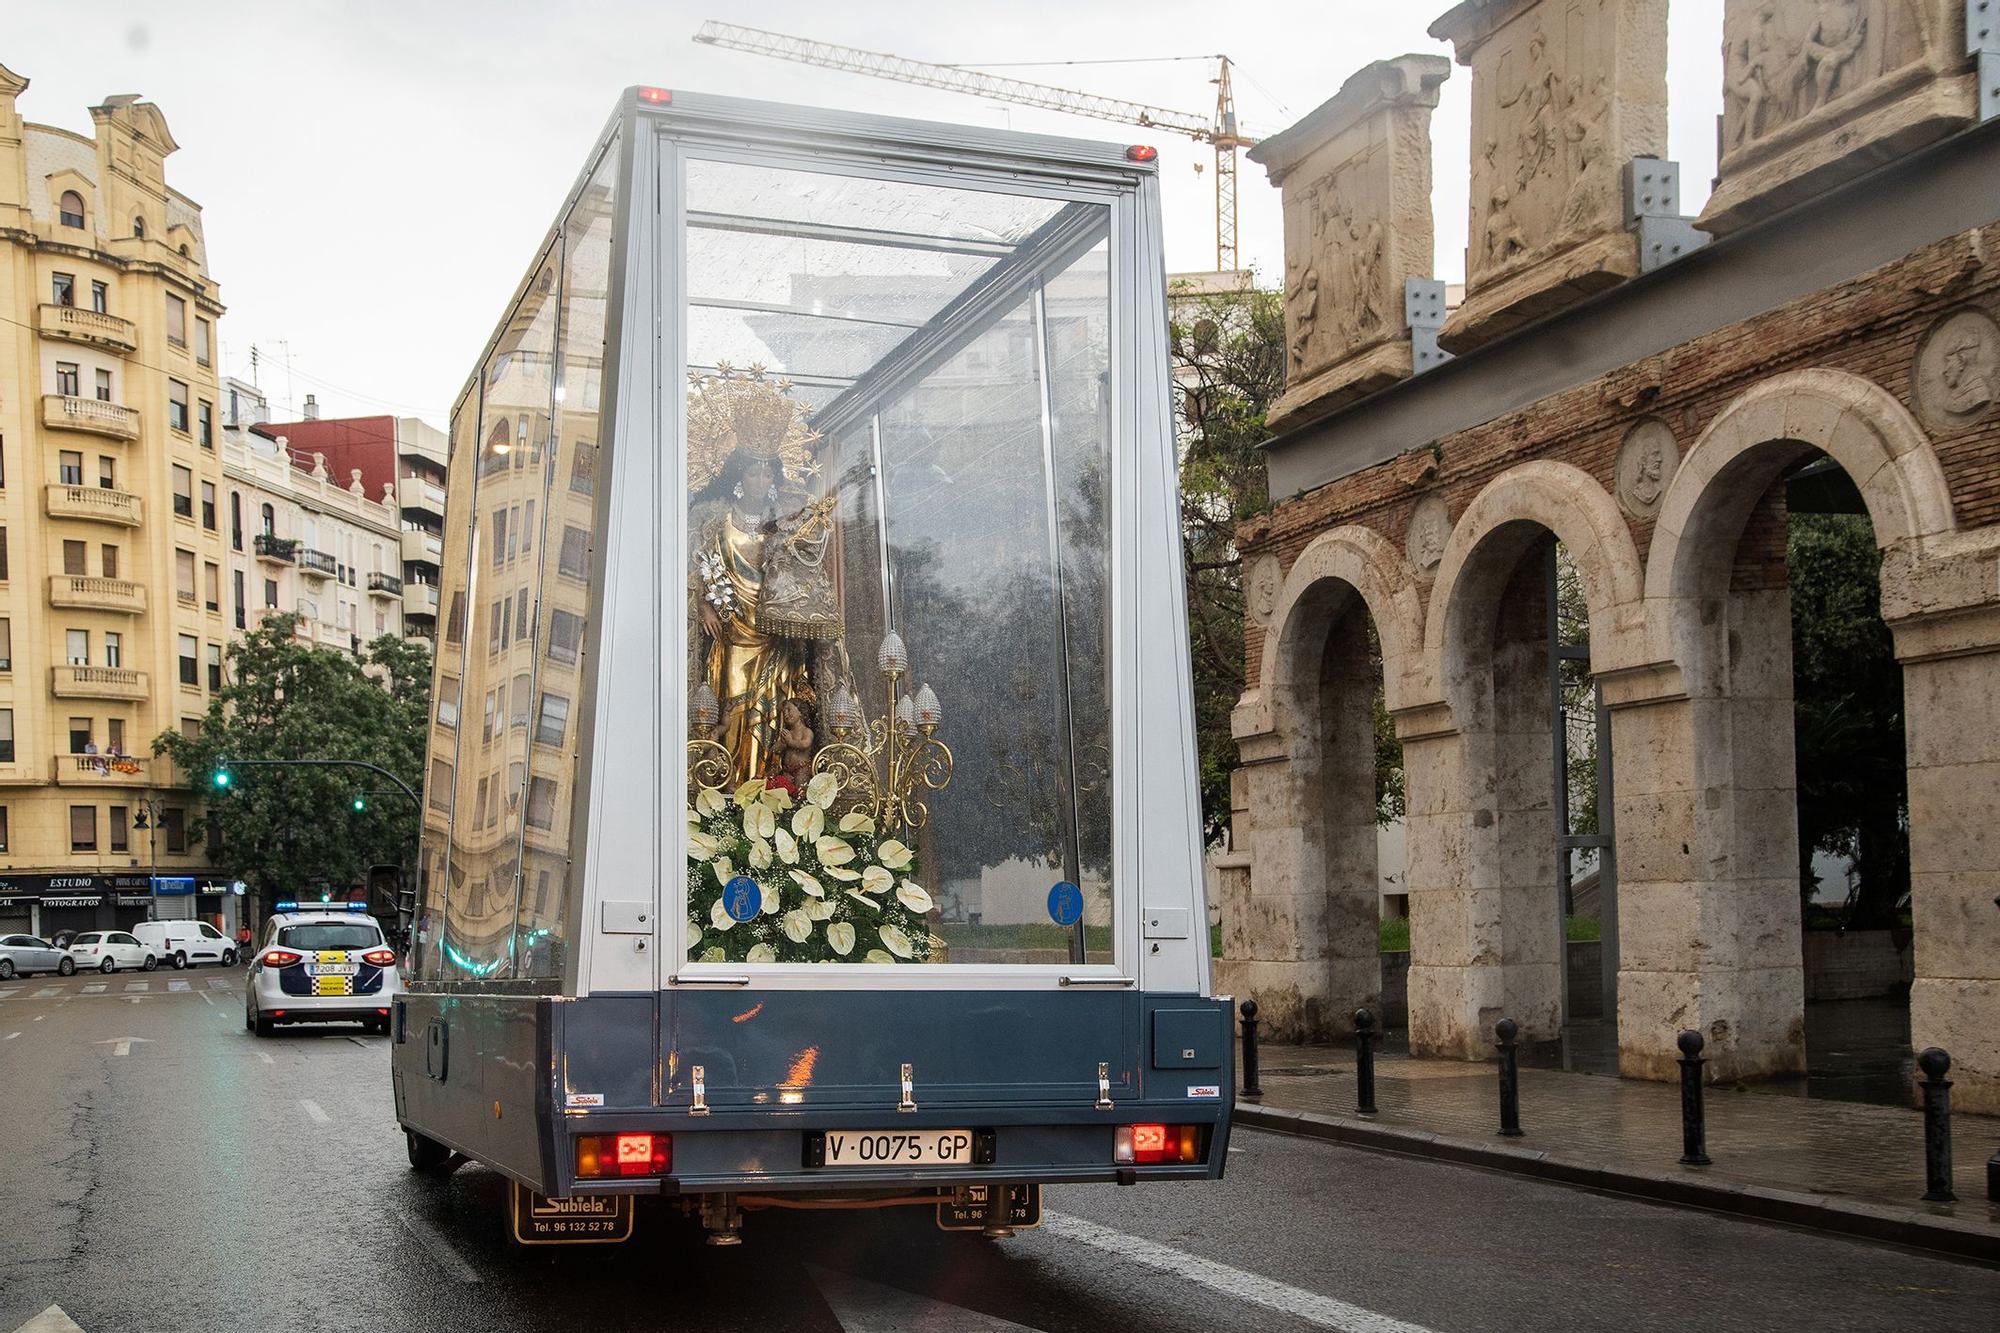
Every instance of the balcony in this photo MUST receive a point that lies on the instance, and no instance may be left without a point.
(103, 770)
(416, 493)
(420, 599)
(85, 593)
(62, 411)
(99, 504)
(317, 564)
(386, 585)
(92, 682)
(277, 550)
(77, 325)
(422, 547)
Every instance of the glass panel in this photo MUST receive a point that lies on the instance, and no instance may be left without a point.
(898, 605)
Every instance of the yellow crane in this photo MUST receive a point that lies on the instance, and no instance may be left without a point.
(1219, 131)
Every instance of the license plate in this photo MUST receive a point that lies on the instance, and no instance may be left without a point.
(898, 1147)
(332, 969)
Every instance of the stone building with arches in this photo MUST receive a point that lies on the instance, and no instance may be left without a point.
(1645, 390)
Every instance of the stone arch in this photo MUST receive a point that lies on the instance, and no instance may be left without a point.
(1365, 562)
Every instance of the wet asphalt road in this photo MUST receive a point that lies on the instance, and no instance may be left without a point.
(206, 1180)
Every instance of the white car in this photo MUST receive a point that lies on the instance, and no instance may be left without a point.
(326, 964)
(25, 955)
(186, 943)
(110, 950)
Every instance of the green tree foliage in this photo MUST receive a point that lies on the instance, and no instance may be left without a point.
(1229, 365)
(282, 830)
(1848, 720)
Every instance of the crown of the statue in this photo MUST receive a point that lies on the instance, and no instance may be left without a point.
(762, 423)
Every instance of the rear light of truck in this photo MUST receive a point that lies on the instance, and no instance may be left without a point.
(379, 957)
(281, 958)
(608, 1156)
(1151, 1145)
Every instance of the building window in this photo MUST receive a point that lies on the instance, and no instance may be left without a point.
(100, 298)
(108, 557)
(174, 820)
(269, 517)
(103, 386)
(447, 702)
(208, 503)
(120, 829)
(107, 472)
(205, 419)
(69, 467)
(69, 209)
(177, 320)
(236, 520)
(183, 491)
(454, 621)
(583, 470)
(565, 636)
(553, 722)
(139, 228)
(79, 736)
(62, 288)
(438, 789)
(236, 588)
(114, 735)
(76, 646)
(114, 648)
(184, 577)
(271, 593)
(189, 660)
(3, 555)
(212, 585)
(574, 560)
(191, 728)
(73, 558)
(6, 643)
(177, 406)
(541, 803)
(83, 828)
(6, 735)
(202, 336)
(214, 666)
(66, 379)
(3, 828)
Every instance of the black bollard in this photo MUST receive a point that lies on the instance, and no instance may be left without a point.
(1510, 1079)
(1937, 1125)
(1365, 1037)
(1694, 1111)
(1251, 1088)
(1993, 1177)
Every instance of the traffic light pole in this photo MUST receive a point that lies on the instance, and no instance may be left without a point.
(222, 767)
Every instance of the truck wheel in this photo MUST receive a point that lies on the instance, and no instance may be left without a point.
(426, 1154)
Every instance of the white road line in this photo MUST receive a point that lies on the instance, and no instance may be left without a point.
(265, 1056)
(10, 1036)
(1234, 1283)
(217, 983)
(97, 989)
(205, 998)
(40, 1017)
(51, 1320)
(46, 991)
(439, 1249)
(9, 994)
(312, 1109)
(176, 986)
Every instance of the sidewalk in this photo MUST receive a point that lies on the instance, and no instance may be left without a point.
(1839, 1166)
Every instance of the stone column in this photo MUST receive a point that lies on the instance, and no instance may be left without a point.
(1456, 990)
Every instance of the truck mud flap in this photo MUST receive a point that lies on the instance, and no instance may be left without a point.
(587, 1219)
(965, 1210)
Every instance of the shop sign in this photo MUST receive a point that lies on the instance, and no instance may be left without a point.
(173, 886)
(73, 900)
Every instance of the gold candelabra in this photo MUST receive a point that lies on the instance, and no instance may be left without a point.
(886, 765)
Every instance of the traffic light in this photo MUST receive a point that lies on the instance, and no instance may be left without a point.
(222, 779)
(360, 803)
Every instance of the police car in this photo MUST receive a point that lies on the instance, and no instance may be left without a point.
(321, 963)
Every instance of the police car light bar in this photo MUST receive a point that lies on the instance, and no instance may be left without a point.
(319, 907)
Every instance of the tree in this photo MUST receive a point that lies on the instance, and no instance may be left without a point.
(283, 830)
(1229, 364)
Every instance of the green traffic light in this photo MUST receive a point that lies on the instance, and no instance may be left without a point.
(360, 804)
(221, 777)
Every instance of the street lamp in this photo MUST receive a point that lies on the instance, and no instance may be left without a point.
(148, 818)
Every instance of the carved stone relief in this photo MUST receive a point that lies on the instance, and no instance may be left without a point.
(1646, 463)
(1782, 61)
(1957, 376)
(1430, 529)
(1260, 589)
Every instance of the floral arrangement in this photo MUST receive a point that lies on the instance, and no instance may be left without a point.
(715, 584)
(831, 890)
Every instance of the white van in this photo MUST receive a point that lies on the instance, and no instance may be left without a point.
(186, 943)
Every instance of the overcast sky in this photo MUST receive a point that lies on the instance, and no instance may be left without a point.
(374, 176)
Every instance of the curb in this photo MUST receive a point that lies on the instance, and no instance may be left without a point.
(1917, 1227)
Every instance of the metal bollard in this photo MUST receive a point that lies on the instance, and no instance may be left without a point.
(1993, 1177)
(1510, 1079)
(1251, 1088)
(1937, 1125)
(1365, 1037)
(1694, 1110)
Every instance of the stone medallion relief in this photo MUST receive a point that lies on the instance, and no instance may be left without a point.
(1646, 463)
(1430, 529)
(1957, 375)
(1260, 589)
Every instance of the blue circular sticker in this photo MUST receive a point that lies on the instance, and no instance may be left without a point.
(1065, 904)
(741, 898)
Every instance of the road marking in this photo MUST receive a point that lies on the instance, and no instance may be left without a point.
(439, 1249)
(870, 1307)
(51, 1320)
(40, 1017)
(312, 1109)
(121, 1045)
(1234, 1283)
(97, 989)
(173, 986)
(217, 983)
(46, 991)
(10, 1036)
(265, 1056)
(131, 986)
(205, 998)
(9, 994)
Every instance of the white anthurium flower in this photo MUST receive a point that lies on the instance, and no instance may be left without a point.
(809, 820)
(868, 903)
(788, 846)
(713, 955)
(854, 821)
(700, 846)
(833, 851)
(709, 801)
(759, 820)
(725, 870)
(809, 884)
(912, 895)
(694, 931)
(877, 956)
(819, 909)
(773, 901)
(841, 873)
(840, 937)
(760, 854)
(777, 798)
(749, 791)
(798, 926)
(894, 855)
(899, 943)
(822, 789)
(761, 953)
(876, 880)
(719, 917)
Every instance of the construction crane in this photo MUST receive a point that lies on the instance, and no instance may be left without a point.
(1220, 131)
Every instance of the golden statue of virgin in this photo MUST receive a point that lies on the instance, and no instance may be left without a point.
(761, 571)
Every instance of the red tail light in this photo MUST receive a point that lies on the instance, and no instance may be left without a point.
(1150, 1145)
(379, 957)
(281, 958)
(601, 1156)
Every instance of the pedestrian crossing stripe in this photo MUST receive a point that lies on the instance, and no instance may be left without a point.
(9, 994)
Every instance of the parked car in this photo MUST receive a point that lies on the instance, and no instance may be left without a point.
(186, 943)
(321, 965)
(25, 955)
(109, 950)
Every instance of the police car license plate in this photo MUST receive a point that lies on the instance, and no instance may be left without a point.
(898, 1147)
(332, 969)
